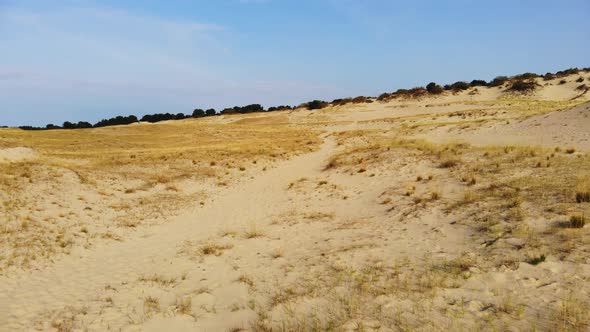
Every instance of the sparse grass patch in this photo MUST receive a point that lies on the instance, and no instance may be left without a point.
(253, 231)
(448, 163)
(246, 280)
(577, 221)
(159, 279)
(151, 305)
(184, 305)
(277, 253)
(583, 197)
(536, 260)
(215, 249)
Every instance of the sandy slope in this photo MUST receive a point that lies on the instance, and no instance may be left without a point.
(564, 129)
(370, 232)
(80, 277)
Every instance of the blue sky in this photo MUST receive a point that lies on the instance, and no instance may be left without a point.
(86, 60)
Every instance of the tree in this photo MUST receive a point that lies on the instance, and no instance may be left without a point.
(210, 112)
(459, 86)
(52, 126)
(316, 105)
(83, 124)
(68, 125)
(197, 113)
(478, 83)
(434, 88)
(119, 120)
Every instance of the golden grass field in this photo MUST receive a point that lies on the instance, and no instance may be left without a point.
(463, 211)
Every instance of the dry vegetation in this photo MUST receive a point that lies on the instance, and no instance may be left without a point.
(125, 176)
(401, 220)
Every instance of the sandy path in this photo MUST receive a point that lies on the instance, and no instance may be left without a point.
(76, 279)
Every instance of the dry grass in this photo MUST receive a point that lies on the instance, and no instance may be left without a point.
(253, 231)
(149, 161)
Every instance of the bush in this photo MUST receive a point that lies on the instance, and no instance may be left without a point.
(342, 101)
(567, 72)
(562, 82)
(537, 260)
(198, 113)
(52, 126)
(434, 88)
(580, 80)
(360, 99)
(582, 87)
(411, 93)
(478, 83)
(498, 81)
(83, 124)
(279, 108)
(577, 221)
(522, 86)
(525, 76)
(210, 112)
(448, 164)
(152, 118)
(458, 86)
(548, 77)
(119, 120)
(384, 96)
(583, 196)
(251, 108)
(315, 104)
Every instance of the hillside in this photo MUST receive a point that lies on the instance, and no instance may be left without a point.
(464, 210)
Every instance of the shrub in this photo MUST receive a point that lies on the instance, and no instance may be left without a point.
(478, 83)
(523, 86)
(537, 260)
(567, 72)
(52, 126)
(577, 221)
(83, 124)
(562, 82)
(251, 108)
(498, 81)
(411, 93)
(118, 120)
(583, 196)
(582, 87)
(580, 80)
(279, 108)
(342, 101)
(448, 164)
(548, 77)
(152, 118)
(360, 99)
(315, 105)
(210, 112)
(434, 88)
(197, 113)
(384, 96)
(457, 86)
(526, 76)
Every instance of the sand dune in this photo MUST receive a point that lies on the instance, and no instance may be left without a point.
(457, 212)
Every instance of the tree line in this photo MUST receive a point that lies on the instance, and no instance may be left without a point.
(522, 82)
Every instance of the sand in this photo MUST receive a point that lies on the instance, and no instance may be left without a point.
(388, 222)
